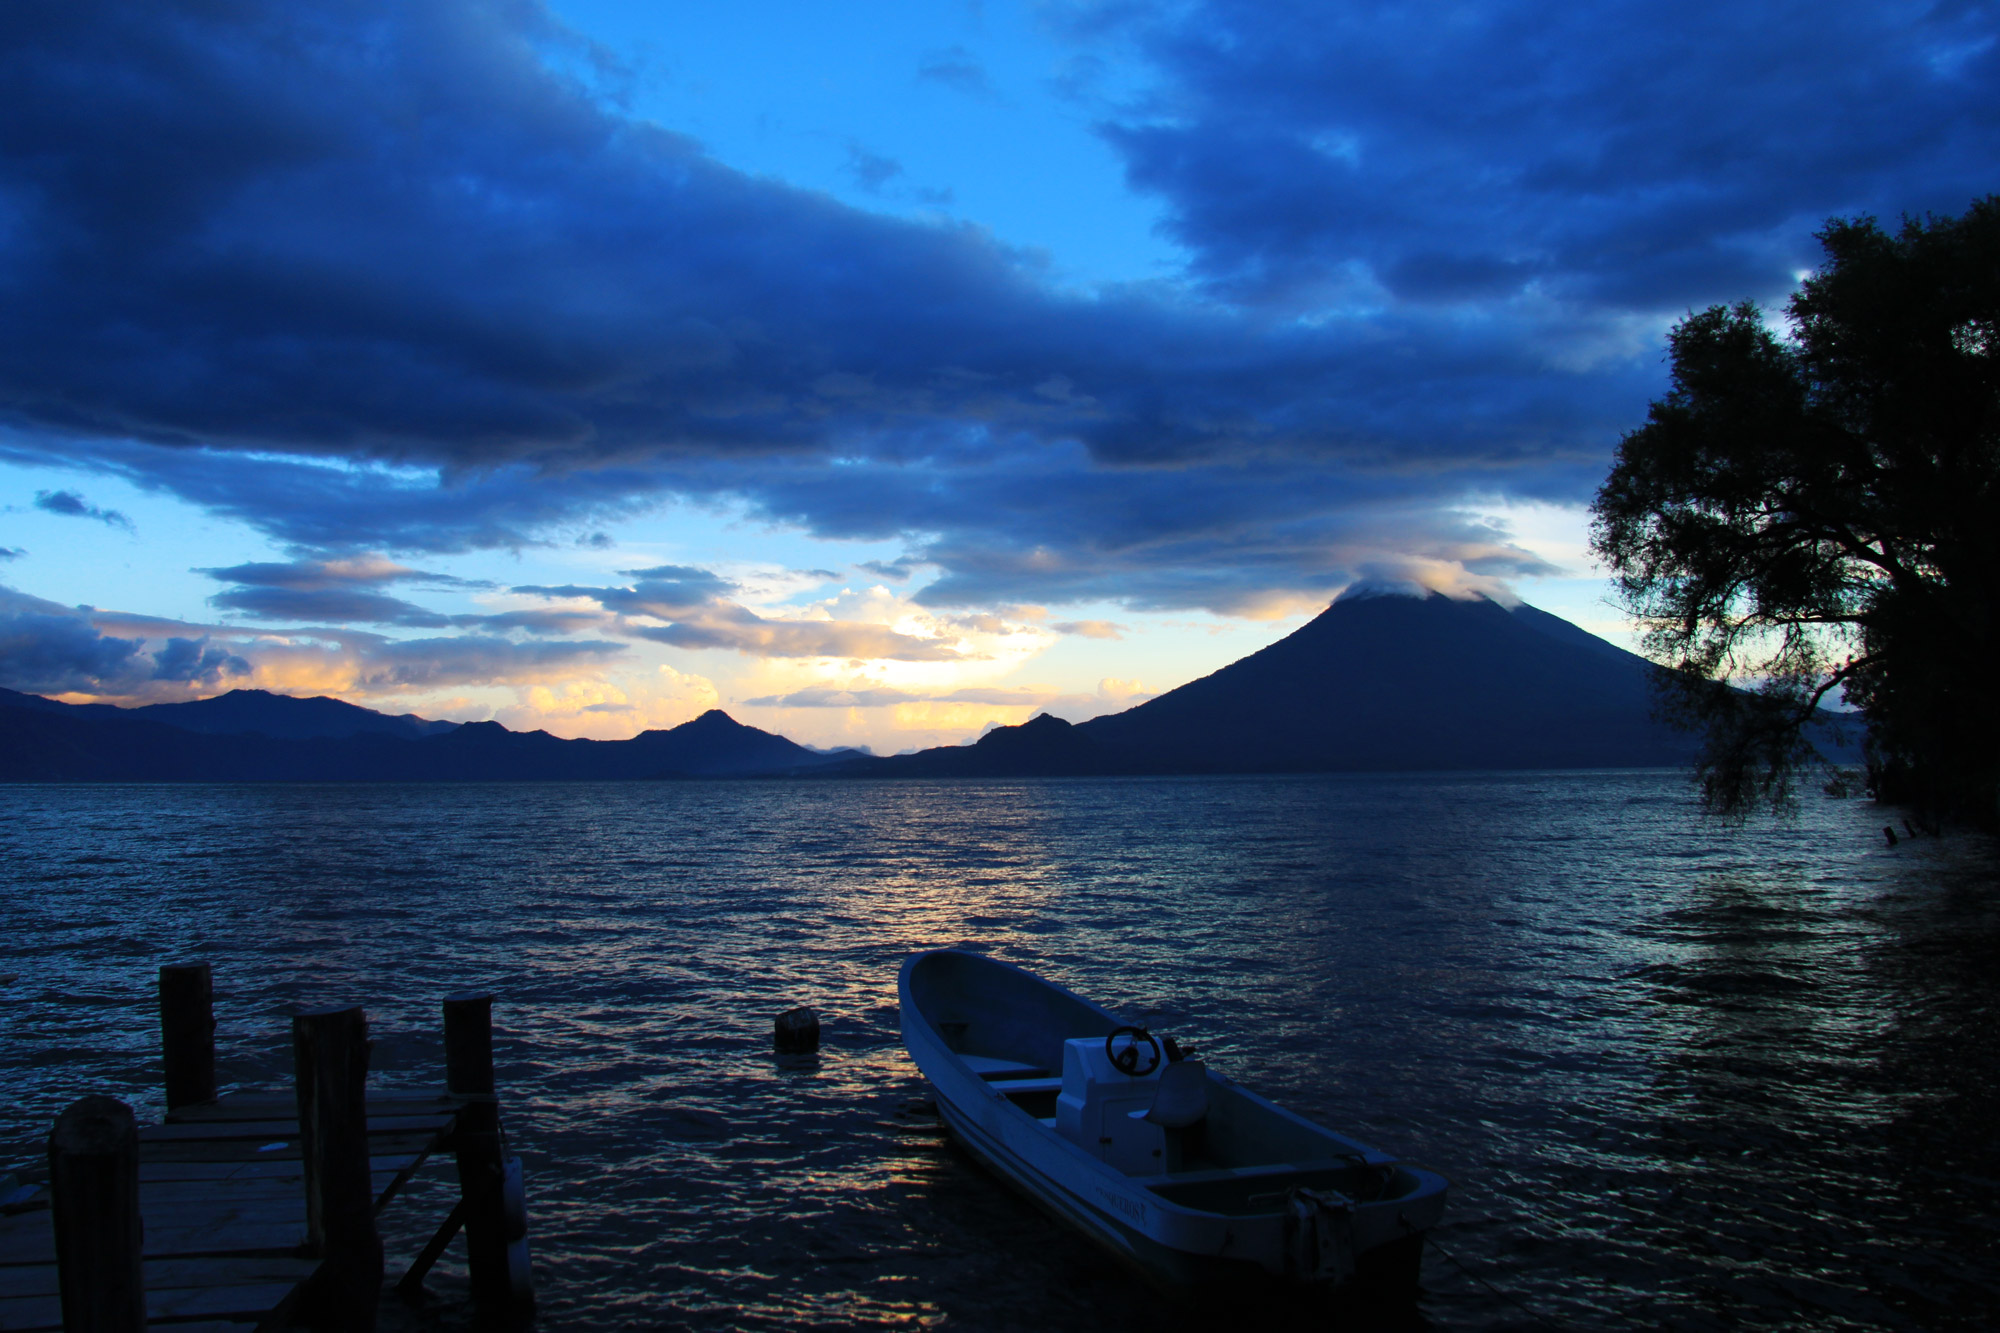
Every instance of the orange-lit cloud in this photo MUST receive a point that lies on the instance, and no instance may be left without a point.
(1090, 629)
(686, 607)
(611, 710)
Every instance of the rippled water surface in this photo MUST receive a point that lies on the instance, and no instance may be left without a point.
(1680, 1075)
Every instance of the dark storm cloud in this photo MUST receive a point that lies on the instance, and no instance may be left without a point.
(46, 648)
(374, 276)
(197, 661)
(336, 592)
(390, 231)
(72, 505)
(333, 506)
(1621, 156)
(328, 606)
(347, 592)
(50, 649)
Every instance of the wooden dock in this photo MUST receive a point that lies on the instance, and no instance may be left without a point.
(257, 1211)
(222, 1196)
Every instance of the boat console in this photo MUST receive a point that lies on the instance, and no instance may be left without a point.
(1104, 1111)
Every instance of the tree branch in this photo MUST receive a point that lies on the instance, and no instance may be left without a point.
(1846, 672)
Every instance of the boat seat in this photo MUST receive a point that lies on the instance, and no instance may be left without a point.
(992, 1067)
(1250, 1173)
(1182, 1099)
(1022, 1087)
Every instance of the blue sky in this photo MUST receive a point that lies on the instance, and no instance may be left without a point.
(877, 372)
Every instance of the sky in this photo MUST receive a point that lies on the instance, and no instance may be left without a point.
(879, 373)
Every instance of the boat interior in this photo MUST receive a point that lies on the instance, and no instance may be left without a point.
(1214, 1148)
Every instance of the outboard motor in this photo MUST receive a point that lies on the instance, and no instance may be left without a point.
(1319, 1235)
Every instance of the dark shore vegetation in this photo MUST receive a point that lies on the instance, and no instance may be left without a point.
(1817, 512)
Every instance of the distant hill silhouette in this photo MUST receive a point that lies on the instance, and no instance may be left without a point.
(1376, 682)
(283, 717)
(248, 712)
(304, 740)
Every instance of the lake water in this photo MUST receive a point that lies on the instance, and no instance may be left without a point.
(1680, 1075)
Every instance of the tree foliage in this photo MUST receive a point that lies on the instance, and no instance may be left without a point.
(1818, 510)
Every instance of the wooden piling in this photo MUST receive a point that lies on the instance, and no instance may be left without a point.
(468, 1043)
(187, 1033)
(330, 1050)
(481, 1151)
(94, 1198)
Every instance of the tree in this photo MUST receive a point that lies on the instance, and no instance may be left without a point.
(1815, 511)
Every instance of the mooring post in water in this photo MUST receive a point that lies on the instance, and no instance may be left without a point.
(187, 1033)
(330, 1049)
(797, 1030)
(495, 1234)
(94, 1196)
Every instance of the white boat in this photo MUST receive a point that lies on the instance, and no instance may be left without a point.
(1166, 1162)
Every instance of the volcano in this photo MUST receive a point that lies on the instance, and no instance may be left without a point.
(1376, 682)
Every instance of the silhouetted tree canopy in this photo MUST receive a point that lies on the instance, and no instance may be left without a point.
(1815, 510)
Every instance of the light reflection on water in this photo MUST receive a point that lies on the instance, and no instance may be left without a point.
(1681, 1075)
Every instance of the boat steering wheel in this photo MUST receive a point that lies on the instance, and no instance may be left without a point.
(1126, 1059)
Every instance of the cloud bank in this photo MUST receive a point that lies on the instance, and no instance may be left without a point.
(382, 276)
(1612, 157)
(398, 277)
(46, 648)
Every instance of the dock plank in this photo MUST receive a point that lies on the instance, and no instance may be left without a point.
(248, 1150)
(31, 1314)
(271, 1167)
(244, 1301)
(231, 1131)
(239, 1305)
(178, 1192)
(273, 1106)
(170, 1275)
(274, 1237)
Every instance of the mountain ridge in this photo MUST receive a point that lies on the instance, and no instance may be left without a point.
(1376, 682)
(45, 740)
